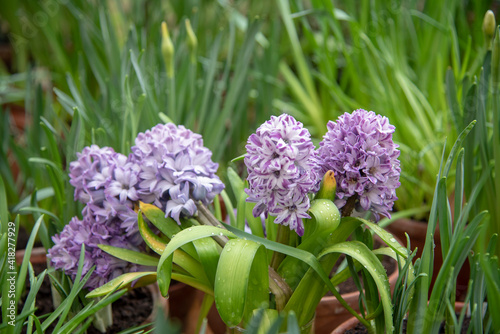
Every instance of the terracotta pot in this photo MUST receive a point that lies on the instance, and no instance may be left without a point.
(352, 322)
(185, 306)
(417, 231)
(38, 255)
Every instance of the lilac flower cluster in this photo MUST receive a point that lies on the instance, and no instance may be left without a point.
(359, 149)
(175, 170)
(282, 170)
(169, 166)
(105, 182)
(65, 253)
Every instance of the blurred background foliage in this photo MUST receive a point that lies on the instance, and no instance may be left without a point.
(82, 72)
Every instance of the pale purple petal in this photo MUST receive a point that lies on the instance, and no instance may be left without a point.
(360, 151)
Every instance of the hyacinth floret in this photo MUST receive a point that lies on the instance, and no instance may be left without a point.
(360, 150)
(65, 253)
(175, 170)
(106, 182)
(282, 170)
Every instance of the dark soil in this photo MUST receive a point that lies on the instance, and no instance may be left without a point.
(22, 239)
(43, 301)
(360, 329)
(133, 309)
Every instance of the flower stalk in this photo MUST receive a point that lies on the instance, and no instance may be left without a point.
(192, 41)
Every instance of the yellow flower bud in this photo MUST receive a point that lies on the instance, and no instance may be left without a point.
(489, 26)
(328, 186)
(192, 41)
(167, 49)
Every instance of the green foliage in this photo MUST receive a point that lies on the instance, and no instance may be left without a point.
(389, 57)
(476, 97)
(429, 308)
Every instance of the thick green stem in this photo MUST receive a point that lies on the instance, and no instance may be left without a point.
(349, 206)
(283, 237)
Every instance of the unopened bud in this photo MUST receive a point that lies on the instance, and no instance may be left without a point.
(489, 26)
(328, 187)
(167, 49)
(192, 41)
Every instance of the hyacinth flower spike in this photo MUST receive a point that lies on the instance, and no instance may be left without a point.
(282, 171)
(359, 149)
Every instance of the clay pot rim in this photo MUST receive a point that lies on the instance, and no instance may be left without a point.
(353, 321)
(38, 255)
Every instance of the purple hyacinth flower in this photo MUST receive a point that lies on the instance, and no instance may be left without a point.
(360, 150)
(282, 170)
(65, 253)
(175, 170)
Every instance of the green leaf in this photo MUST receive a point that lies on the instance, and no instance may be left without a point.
(305, 257)
(240, 213)
(130, 255)
(209, 252)
(156, 216)
(237, 184)
(151, 239)
(166, 225)
(387, 237)
(26, 259)
(372, 264)
(182, 238)
(4, 210)
(229, 207)
(317, 235)
(325, 217)
(124, 282)
(242, 282)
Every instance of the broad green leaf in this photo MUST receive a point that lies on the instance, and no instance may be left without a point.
(181, 258)
(372, 264)
(387, 237)
(166, 225)
(325, 219)
(156, 216)
(311, 287)
(151, 239)
(130, 255)
(308, 258)
(124, 282)
(182, 238)
(209, 252)
(242, 281)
